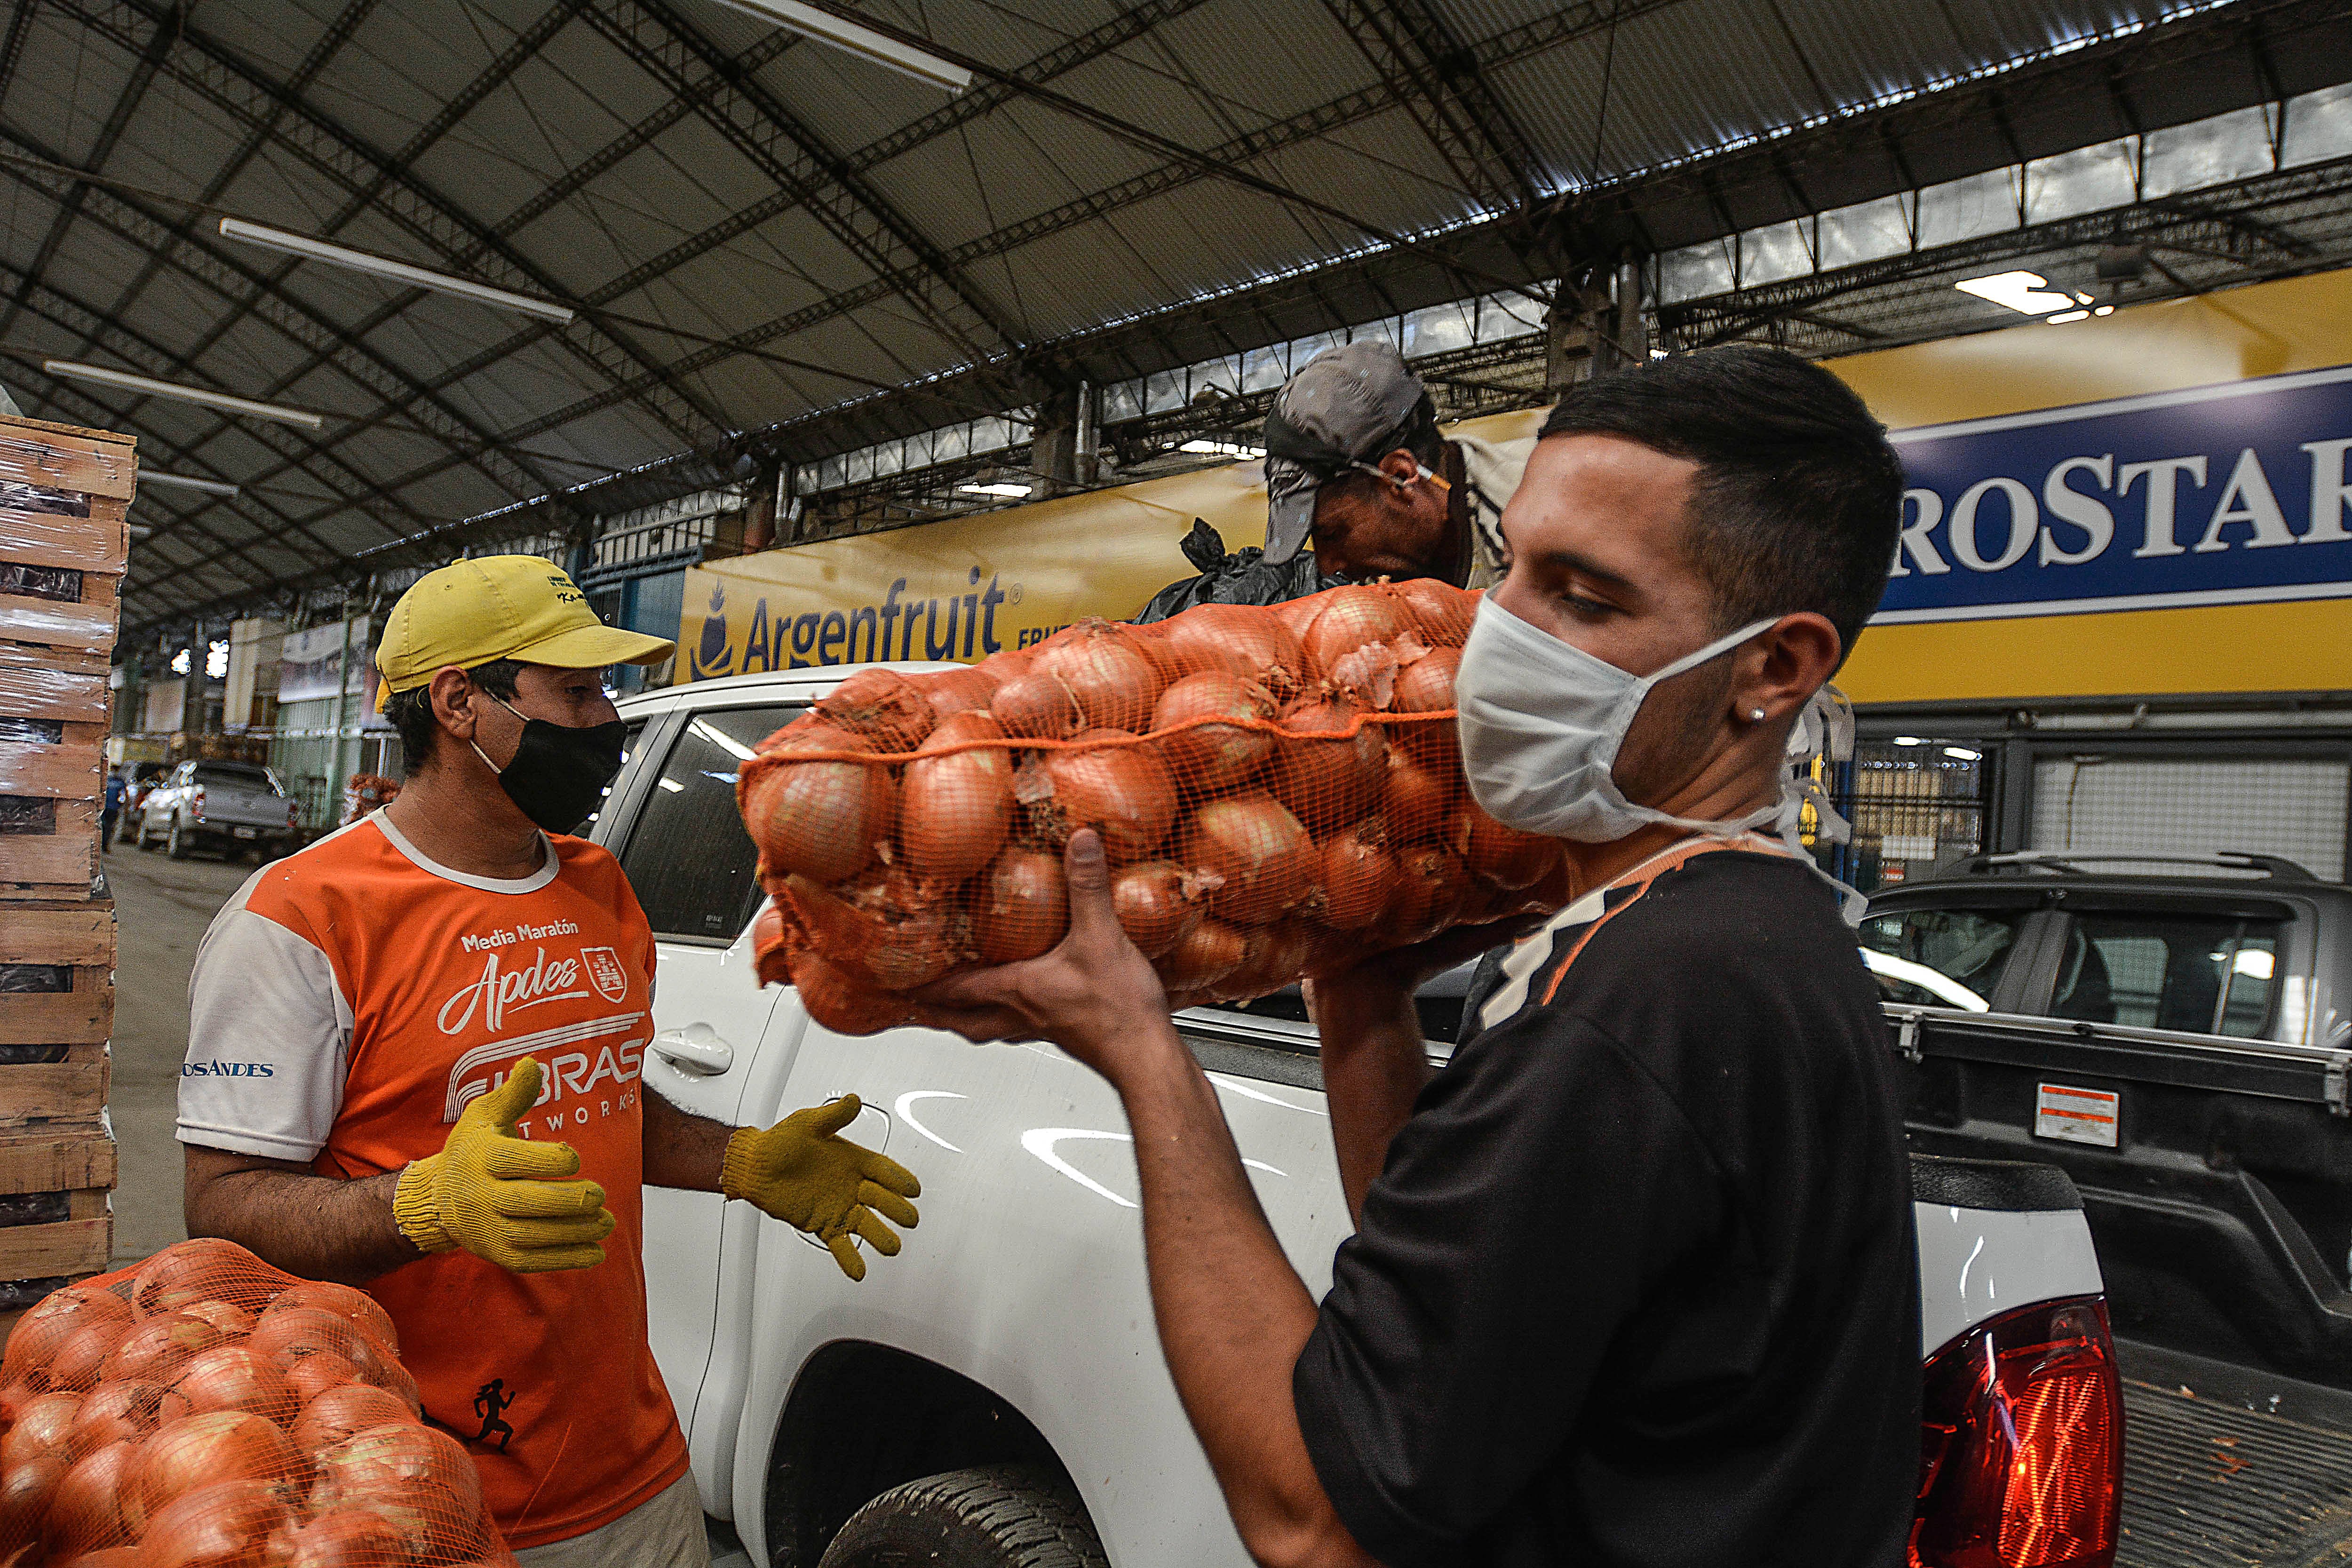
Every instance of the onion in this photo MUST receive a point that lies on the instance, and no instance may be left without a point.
(192, 1270)
(42, 1426)
(196, 1451)
(157, 1349)
(1416, 801)
(229, 1525)
(1430, 887)
(1426, 684)
(1297, 615)
(26, 1492)
(1351, 617)
(954, 811)
(312, 1375)
(1359, 877)
(1440, 613)
(226, 1316)
(1213, 759)
(349, 1538)
(824, 820)
(340, 1412)
(1159, 904)
(284, 1338)
(233, 1377)
(344, 1302)
(1125, 793)
(94, 1507)
(48, 1322)
(390, 1460)
(1152, 643)
(1503, 856)
(776, 936)
(77, 1360)
(1025, 906)
(1276, 955)
(1035, 705)
(1263, 858)
(395, 1380)
(1112, 681)
(839, 1002)
(952, 691)
(1328, 783)
(125, 1413)
(1203, 956)
(884, 707)
(884, 928)
(1239, 639)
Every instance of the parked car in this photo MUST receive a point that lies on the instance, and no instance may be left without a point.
(1000, 1380)
(232, 808)
(141, 782)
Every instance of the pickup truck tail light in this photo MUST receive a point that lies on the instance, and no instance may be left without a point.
(2021, 1444)
(196, 801)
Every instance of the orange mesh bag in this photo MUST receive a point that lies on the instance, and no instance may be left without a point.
(205, 1411)
(1278, 788)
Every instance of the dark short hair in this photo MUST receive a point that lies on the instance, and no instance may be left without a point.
(1799, 498)
(411, 711)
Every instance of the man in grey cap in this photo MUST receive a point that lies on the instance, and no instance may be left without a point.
(1354, 461)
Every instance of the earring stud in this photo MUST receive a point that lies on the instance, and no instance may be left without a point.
(1756, 715)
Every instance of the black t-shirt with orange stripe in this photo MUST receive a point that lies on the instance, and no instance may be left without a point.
(1637, 1283)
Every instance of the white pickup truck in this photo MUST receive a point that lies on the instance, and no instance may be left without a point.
(996, 1394)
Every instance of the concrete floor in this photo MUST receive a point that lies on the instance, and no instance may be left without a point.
(162, 908)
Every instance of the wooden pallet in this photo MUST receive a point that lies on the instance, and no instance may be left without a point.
(79, 1243)
(57, 982)
(51, 684)
(64, 534)
(48, 849)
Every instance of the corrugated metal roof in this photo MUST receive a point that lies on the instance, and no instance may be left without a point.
(683, 173)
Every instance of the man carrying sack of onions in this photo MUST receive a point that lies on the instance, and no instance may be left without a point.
(1356, 465)
(1632, 1281)
(416, 1062)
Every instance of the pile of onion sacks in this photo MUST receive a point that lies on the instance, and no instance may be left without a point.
(1278, 790)
(206, 1411)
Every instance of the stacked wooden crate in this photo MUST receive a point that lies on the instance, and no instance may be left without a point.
(64, 541)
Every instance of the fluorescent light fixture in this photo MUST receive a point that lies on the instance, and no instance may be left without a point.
(397, 272)
(2027, 293)
(1221, 449)
(863, 42)
(1964, 754)
(210, 486)
(2062, 317)
(999, 490)
(1909, 741)
(123, 378)
(2104, 310)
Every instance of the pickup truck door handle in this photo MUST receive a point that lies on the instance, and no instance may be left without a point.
(697, 1048)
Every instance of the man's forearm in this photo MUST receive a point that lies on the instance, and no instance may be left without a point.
(1375, 1063)
(681, 1148)
(320, 1228)
(1231, 1312)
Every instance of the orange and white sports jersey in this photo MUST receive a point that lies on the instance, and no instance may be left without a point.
(344, 1007)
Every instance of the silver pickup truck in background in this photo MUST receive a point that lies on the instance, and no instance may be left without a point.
(231, 807)
(998, 1388)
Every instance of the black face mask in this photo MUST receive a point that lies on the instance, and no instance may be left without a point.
(559, 773)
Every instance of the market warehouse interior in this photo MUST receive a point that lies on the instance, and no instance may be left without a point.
(578, 583)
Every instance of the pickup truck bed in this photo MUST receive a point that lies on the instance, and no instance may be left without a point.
(2210, 1483)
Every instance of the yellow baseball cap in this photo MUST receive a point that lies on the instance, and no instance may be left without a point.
(499, 606)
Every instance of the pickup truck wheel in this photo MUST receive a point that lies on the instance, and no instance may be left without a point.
(998, 1516)
(176, 844)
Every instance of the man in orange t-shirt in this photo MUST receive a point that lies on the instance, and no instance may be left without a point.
(415, 1062)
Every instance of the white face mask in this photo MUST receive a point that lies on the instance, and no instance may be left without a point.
(1541, 722)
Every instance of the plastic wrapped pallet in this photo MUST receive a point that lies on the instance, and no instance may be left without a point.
(1279, 791)
(207, 1409)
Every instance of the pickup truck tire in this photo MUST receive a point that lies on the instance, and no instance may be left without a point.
(176, 846)
(996, 1516)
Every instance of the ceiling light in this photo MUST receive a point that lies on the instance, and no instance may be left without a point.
(1964, 754)
(2104, 310)
(210, 486)
(2062, 317)
(397, 272)
(152, 388)
(994, 489)
(2027, 293)
(863, 42)
(1221, 449)
(1909, 741)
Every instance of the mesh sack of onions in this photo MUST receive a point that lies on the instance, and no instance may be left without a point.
(1278, 789)
(203, 1410)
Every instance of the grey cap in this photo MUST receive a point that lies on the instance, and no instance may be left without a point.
(1331, 416)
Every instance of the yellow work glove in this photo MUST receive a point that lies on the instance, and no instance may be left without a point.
(505, 1199)
(804, 1172)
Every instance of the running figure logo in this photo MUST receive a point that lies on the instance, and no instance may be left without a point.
(490, 1403)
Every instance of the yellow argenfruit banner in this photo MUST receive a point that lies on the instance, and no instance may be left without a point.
(964, 588)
